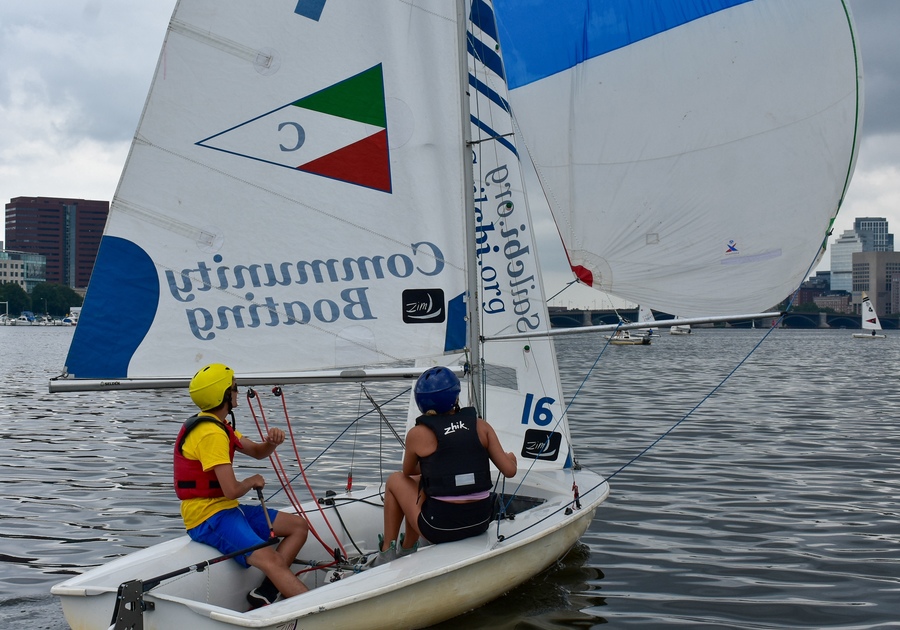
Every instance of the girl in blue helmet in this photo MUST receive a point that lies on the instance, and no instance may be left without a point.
(444, 489)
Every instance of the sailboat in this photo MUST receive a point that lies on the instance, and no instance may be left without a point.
(870, 321)
(646, 315)
(625, 338)
(323, 192)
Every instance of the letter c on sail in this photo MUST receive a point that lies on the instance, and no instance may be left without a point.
(301, 135)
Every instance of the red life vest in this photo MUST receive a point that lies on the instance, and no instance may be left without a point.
(191, 481)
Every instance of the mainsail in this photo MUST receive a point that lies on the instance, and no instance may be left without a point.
(687, 147)
(281, 215)
(870, 319)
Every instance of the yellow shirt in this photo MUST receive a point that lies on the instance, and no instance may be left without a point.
(209, 444)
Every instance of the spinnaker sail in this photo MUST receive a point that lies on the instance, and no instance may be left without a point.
(693, 153)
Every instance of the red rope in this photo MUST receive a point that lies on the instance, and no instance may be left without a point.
(278, 392)
(280, 472)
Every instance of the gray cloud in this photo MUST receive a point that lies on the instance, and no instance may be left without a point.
(877, 24)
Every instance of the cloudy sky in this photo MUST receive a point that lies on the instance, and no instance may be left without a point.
(74, 76)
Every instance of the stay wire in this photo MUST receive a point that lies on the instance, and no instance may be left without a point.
(344, 431)
(634, 459)
(721, 384)
(687, 415)
(384, 419)
(576, 496)
(561, 290)
(566, 409)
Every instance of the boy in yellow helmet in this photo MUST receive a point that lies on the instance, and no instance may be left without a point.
(208, 488)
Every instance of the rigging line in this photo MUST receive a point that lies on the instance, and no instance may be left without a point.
(277, 391)
(382, 416)
(349, 485)
(347, 428)
(275, 460)
(344, 527)
(384, 420)
(587, 375)
(725, 379)
(278, 467)
(561, 290)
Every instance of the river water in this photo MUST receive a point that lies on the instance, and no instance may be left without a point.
(776, 504)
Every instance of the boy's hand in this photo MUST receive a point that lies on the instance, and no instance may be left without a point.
(275, 436)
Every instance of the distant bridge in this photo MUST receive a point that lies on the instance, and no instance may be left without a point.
(571, 318)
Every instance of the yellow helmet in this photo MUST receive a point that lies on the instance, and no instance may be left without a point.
(210, 385)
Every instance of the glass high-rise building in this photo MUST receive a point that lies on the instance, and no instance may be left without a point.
(842, 251)
(873, 232)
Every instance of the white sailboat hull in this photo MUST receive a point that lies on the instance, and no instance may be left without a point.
(629, 340)
(436, 583)
(868, 336)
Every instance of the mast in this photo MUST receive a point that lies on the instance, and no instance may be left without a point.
(473, 301)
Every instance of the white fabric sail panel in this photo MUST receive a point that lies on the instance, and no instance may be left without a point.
(522, 398)
(870, 319)
(697, 168)
(289, 202)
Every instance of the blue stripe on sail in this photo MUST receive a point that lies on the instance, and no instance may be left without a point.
(311, 9)
(495, 136)
(455, 336)
(482, 16)
(485, 55)
(543, 37)
(118, 311)
(483, 88)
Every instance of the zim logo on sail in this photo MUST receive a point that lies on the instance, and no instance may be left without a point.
(540, 444)
(423, 306)
(338, 132)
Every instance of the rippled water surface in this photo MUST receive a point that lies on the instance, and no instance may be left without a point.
(776, 504)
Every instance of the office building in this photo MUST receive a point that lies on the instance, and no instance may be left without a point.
(874, 274)
(873, 232)
(842, 251)
(21, 268)
(66, 232)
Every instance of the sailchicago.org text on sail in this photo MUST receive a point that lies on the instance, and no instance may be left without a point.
(424, 258)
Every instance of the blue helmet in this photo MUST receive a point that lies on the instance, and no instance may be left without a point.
(437, 390)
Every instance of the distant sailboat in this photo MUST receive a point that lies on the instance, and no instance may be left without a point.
(646, 315)
(870, 322)
(680, 329)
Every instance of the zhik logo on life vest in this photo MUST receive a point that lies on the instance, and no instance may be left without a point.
(339, 132)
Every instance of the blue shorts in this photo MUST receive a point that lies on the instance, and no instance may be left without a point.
(234, 529)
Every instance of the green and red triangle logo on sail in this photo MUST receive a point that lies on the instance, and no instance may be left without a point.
(359, 98)
(339, 132)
